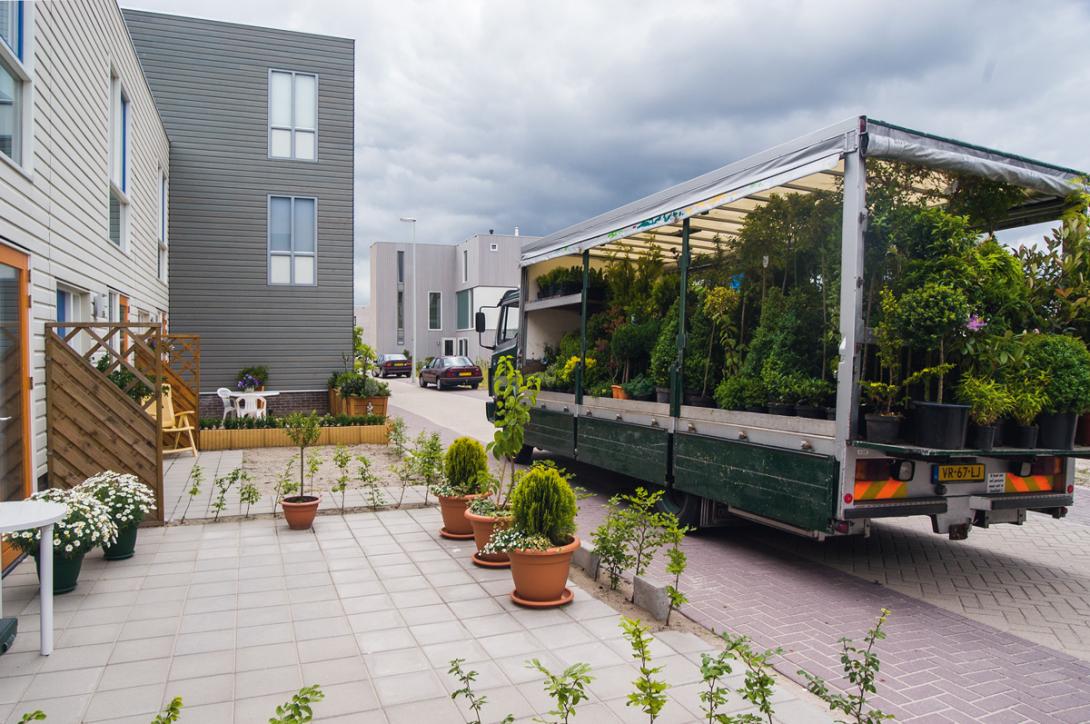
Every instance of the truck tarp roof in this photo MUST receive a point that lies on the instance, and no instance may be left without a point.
(721, 198)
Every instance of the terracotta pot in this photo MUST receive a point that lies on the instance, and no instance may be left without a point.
(483, 525)
(540, 576)
(618, 392)
(453, 509)
(299, 510)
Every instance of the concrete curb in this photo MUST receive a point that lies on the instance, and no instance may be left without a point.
(650, 595)
(587, 559)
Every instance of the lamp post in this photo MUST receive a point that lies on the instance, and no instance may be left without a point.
(412, 267)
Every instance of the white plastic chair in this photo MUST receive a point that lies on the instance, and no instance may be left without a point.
(228, 402)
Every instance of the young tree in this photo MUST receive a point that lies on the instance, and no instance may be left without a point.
(303, 430)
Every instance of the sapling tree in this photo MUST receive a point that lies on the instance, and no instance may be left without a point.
(405, 476)
(303, 430)
(612, 543)
(399, 437)
(650, 694)
(515, 397)
(314, 464)
(861, 670)
(285, 485)
(221, 486)
(427, 460)
(341, 458)
(36, 715)
(196, 477)
(475, 701)
(676, 561)
(168, 715)
(568, 689)
(248, 494)
(372, 493)
(299, 709)
(757, 686)
(713, 695)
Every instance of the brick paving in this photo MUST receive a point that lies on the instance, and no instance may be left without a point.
(235, 616)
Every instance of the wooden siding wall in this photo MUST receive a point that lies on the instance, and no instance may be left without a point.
(92, 424)
(58, 211)
(210, 81)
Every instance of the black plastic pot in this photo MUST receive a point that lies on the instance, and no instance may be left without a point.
(1020, 436)
(883, 428)
(814, 412)
(755, 408)
(1056, 430)
(1082, 437)
(940, 426)
(830, 413)
(699, 400)
(982, 437)
(662, 394)
(781, 408)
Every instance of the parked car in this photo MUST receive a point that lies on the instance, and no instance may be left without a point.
(450, 372)
(393, 365)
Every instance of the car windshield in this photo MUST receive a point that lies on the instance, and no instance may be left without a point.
(393, 357)
(459, 362)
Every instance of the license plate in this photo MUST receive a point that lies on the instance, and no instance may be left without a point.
(465, 374)
(960, 473)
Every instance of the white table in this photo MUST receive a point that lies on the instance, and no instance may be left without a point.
(23, 515)
(251, 400)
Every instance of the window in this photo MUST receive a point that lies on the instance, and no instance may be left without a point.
(119, 164)
(161, 266)
(465, 308)
(493, 247)
(64, 309)
(435, 310)
(463, 346)
(508, 327)
(401, 267)
(400, 317)
(293, 115)
(465, 265)
(293, 243)
(13, 80)
(448, 349)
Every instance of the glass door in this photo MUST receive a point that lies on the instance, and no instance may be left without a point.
(14, 382)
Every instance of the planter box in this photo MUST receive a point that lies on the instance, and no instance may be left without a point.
(336, 402)
(357, 406)
(276, 437)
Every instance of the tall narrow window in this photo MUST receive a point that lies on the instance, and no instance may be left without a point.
(465, 265)
(13, 80)
(64, 309)
(293, 243)
(435, 310)
(119, 164)
(293, 115)
(162, 256)
(465, 305)
(401, 267)
(400, 317)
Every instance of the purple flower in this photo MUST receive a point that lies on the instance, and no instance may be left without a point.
(975, 323)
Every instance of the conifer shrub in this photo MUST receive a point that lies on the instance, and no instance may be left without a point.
(543, 504)
(463, 464)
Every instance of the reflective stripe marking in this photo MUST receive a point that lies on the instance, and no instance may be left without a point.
(880, 489)
(1028, 484)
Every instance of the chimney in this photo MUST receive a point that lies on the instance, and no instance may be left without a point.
(516, 231)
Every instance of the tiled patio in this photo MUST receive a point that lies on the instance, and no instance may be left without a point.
(236, 616)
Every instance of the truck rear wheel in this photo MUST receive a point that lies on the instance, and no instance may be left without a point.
(685, 506)
(526, 455)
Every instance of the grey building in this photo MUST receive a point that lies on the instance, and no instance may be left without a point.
(261, 124)
(452, 282)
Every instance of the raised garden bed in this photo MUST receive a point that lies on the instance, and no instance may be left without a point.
(359, 431)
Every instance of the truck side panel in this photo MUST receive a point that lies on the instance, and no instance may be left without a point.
(634, 450)
(795, 487)
(552, 431)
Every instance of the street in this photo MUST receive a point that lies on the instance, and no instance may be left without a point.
(994, 628)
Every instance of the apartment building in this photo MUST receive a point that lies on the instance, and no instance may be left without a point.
(261, 127)
(84, 195)
(453, 281)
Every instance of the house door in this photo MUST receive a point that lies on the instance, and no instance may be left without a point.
(14, 382)
(448, 347)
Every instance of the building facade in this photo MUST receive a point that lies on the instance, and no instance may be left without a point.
(84, 189)
(261, 127)
(453, 281)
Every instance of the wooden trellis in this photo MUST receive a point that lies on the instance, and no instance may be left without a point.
(181, 362)
(94, 420)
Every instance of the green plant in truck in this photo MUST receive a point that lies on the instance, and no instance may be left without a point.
(1028, 400)
(988, 400)
(1065, 364)
(933, 316)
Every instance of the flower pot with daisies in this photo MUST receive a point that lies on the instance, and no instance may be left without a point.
(86, 525)
(541, 539)
(129, 502)
(463, 463)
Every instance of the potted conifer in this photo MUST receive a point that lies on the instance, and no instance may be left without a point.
(463, 464)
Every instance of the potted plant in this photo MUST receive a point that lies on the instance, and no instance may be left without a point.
(363, 395)
(1028, 399)
(932, 317)
(988, 401)
(85, 526)
(299, 510)
(252, 378)
(515, 396)
(618, 392)
(462, 465)
(754, 394)
(541, 538)
(1064, 364)
(884, 425)
(781, 389)
(128, 501)
(640, 387)
(812, 394)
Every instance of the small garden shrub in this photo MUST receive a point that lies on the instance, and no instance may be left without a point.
(464, 462)
(1065, 364)
(544, 504)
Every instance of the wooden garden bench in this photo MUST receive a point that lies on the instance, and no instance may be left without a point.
(177, 426)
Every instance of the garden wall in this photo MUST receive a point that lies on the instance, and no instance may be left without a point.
(277, 437)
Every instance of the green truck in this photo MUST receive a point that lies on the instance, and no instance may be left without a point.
(814, 477)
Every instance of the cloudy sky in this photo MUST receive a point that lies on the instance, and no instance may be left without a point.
(486, 114)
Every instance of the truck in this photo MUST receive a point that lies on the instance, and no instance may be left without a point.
(814, 477)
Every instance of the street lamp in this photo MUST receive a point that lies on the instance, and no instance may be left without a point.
(412, 268)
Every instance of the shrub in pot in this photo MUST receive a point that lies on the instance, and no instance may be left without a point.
(541, 538)
(729, 393)
(781, 388)
(463, 463)
(1027, 401)
(1064, 364)
(299, 510)
(812, 394)
(252, 378)
(883, 425)
(363, 394)
(128, 501)
(640, 387)
(85, 526)
(988, 401)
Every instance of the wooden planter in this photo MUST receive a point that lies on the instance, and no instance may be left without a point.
(277, 437)
(336, 402)
(357, 406)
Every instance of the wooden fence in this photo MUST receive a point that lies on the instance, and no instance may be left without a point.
(94, 421)
(181, 369)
